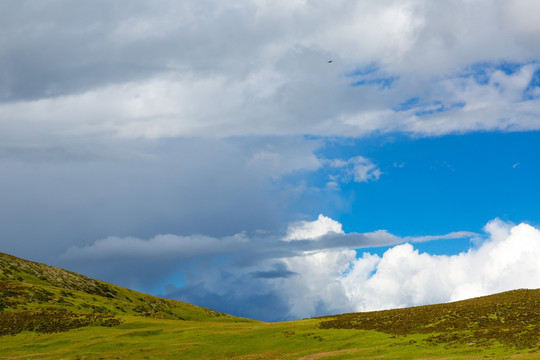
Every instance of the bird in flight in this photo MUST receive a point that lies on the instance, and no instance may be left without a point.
(329, 61)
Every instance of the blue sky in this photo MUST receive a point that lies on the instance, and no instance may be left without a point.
(210, 152)
(469, 178)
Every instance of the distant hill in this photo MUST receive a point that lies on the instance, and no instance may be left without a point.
(31, 290)
(511, 318)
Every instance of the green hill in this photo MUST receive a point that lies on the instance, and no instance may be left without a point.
(511, 318)
(31, 286)
(50, 313)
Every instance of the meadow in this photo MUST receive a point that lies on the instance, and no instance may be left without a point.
(143, 338)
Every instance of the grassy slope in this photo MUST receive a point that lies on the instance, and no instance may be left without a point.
(151, 329)
(511, 318)
(26, 285)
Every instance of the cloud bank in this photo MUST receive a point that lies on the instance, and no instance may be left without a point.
(211, 69)
(507, 260)
(302, 237)
(337, 281)
(315, 269)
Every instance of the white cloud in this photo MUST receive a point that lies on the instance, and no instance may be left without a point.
(462, 103)
(364, 170)
(317, 286)
(335, 280)
(211, 69)
(404, 277)
(268, 103)
(357, 169)
(313, 229)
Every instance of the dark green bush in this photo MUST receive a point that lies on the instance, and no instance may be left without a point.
(51, 321)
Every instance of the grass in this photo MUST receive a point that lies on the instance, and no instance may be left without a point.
(143, 338)
(49, 313)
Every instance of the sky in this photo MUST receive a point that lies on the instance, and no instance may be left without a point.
(275, 159)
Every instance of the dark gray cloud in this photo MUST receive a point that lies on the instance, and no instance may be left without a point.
(279, 270)
(60, 47)
(265, 306)
(57, 48)
(57, 197)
